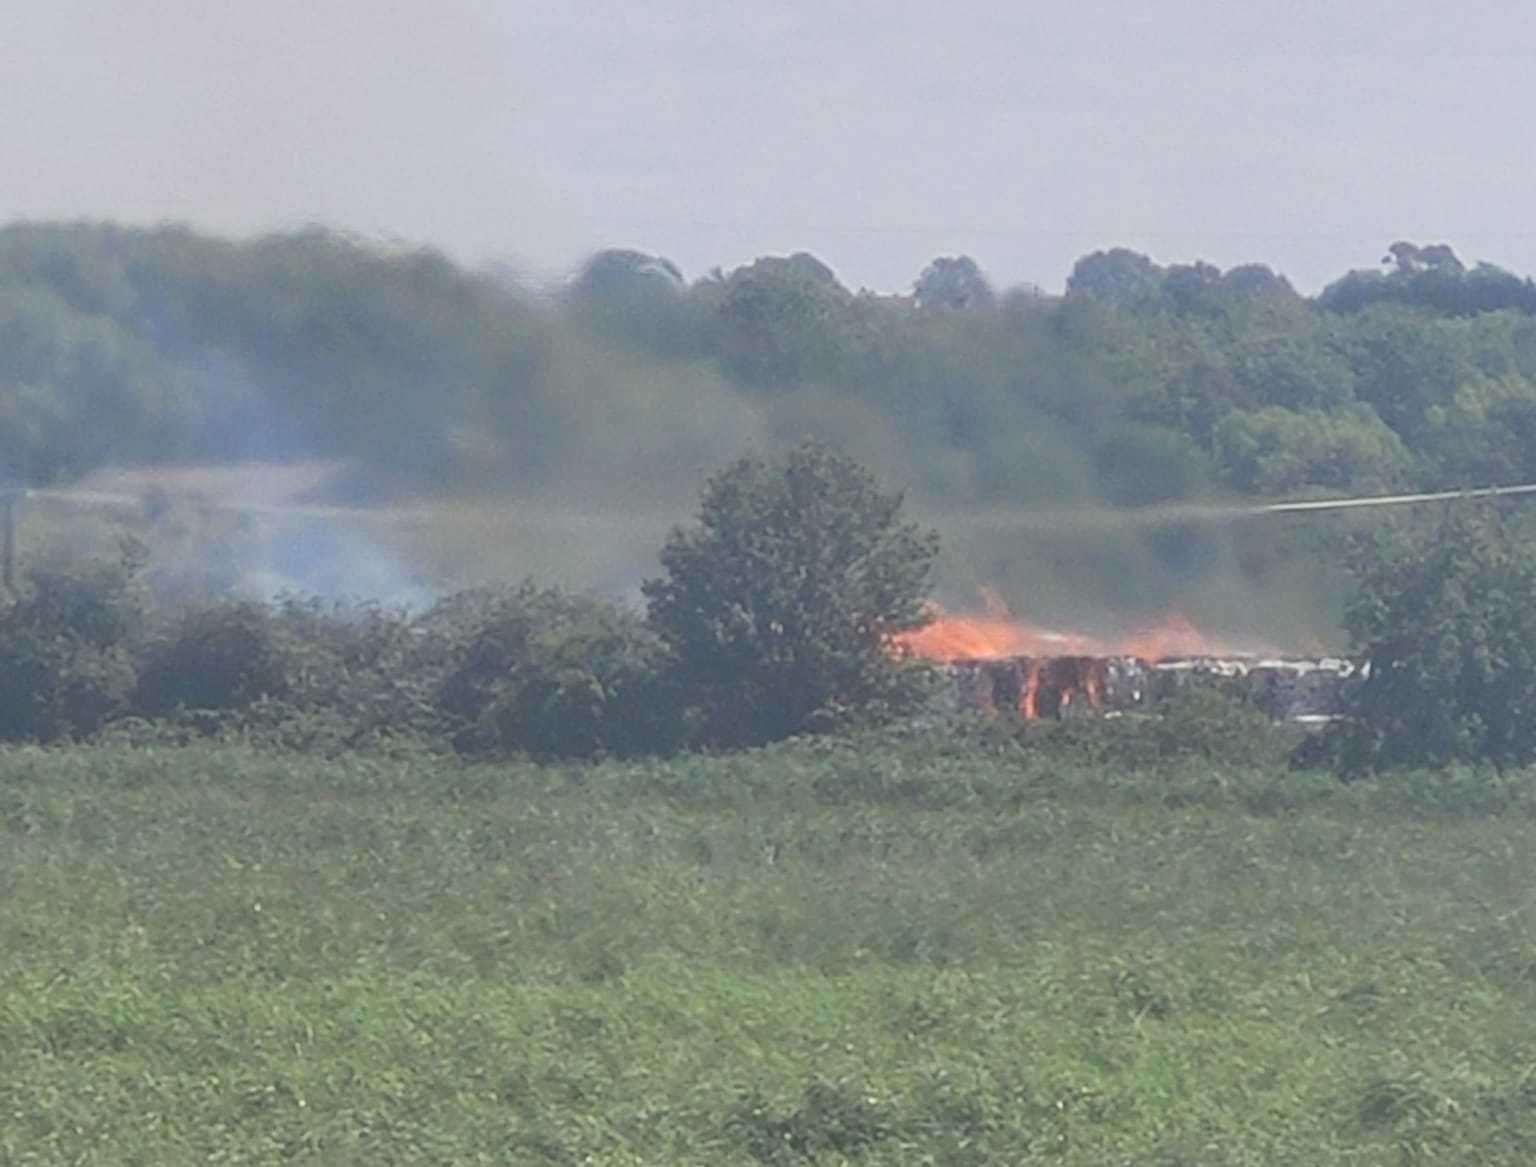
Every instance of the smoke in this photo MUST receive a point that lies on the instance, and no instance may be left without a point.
(1237, 573)
(505, 437)
(262, 531)
(328, 560)
(226, 531)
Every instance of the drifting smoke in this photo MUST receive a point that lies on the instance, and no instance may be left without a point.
(229, 531)
(331, 561)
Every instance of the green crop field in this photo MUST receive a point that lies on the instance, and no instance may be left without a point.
(889, 951)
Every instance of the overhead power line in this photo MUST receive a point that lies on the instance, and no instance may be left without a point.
(1336, 504)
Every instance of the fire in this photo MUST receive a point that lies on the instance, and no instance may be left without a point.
(991, 637)
(996, 634)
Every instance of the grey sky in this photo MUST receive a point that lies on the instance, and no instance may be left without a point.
(1306, 134)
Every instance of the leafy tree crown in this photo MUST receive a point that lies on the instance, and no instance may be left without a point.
(781, 604)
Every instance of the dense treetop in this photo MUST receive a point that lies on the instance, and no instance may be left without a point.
(1141, 383)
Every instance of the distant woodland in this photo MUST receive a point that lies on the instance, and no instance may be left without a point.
(1141, 384)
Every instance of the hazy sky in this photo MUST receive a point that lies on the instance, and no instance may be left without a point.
(1308, 134)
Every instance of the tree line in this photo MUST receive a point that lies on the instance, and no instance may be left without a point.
(1142, 383)
(777, 613)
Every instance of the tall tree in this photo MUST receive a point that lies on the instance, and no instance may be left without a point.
(1119, 276)
(953, 284)
(780, 604)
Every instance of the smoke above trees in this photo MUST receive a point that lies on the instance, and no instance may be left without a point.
(617, 392)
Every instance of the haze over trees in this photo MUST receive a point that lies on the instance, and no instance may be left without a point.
(1141, 384)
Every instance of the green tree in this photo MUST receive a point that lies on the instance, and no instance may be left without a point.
(953, 284)
(1434, 278)
(1277, 451)
(781, 603)
(634, 298)
(781, 322)
(1119, 276)
(1404, 363)
(1295, 372)
(1446, 617)
(1486, 434)
(1193, 287)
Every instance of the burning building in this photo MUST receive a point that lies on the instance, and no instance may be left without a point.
(996, 663)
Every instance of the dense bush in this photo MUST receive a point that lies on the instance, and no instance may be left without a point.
(65, 666)
(781, 603)
(58, 686)
(551, 674)
(520, 670)
(225, 657)
(1445, 616)
(1197, 723)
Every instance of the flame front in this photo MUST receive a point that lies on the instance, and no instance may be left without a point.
(991, 637)
(996, 634)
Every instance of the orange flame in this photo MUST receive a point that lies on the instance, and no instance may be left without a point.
(1029, 699)
(996, 634)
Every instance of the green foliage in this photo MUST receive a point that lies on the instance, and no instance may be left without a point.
(351, 676)
(221, 658)
(1119, 276)
(1195, 723)
(1139, 464)
(1432, 277)
(953, 284)
(1445, 616)
(1294, 372)
(1405, 363)
(1145, 383)
(906, 948)
(550, 674)
(1277, 451)
(831, 1119)
(780, 322)
(781, 603)
(77, 389)
(122, 345)
(65, 668)
(54, 687)
(527, 670)
(1486, 432)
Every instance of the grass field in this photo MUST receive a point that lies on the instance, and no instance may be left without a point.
(892, 951)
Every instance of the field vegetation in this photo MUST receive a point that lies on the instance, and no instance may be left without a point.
(974, 947)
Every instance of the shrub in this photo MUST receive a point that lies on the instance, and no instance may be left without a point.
(366, 668)
(781, 603)
(54, 687)
(219, 658)
(1198, 722)
(551, 674)
(1445, 616)
(65, 669)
